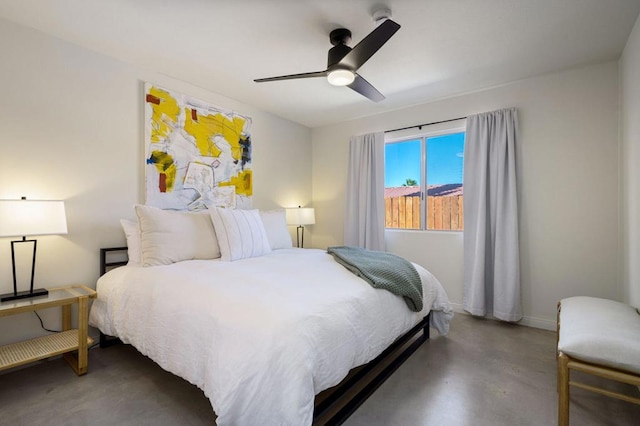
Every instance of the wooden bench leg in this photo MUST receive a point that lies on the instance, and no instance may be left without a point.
(563, 390)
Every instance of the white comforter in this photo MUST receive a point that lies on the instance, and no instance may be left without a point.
(261, 336)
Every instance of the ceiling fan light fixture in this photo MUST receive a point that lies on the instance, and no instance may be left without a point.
(343, 62)
(341, 77)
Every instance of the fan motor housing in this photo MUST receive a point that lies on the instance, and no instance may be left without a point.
(336, 53)
(339, 39)
(340, 36)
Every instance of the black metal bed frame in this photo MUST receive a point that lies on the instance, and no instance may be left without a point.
(336, 396)
(106, 264)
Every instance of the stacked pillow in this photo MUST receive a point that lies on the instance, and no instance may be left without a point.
(275, 224)
(162, 237)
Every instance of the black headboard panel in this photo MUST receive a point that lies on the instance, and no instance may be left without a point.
(107, 261)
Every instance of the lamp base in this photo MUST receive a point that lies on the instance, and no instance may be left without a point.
(299, 232)
(24, 294)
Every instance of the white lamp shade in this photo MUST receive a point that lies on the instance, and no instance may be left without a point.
(301, 216)
(20, 218)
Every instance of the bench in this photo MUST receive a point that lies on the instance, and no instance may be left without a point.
(599, 337)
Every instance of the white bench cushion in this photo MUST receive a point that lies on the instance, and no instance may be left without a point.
(600, 331)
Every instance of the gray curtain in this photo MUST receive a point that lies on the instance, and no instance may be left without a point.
(491, 248)
(364, 222)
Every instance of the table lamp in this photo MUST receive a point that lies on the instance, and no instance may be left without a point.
(300, 216)
(22, 218)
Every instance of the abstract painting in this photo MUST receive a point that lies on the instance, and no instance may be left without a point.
(197, 155)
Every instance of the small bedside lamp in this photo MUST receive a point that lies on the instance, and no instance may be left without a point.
(300, 216)
(22, 218)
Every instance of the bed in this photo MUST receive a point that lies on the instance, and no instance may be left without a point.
(260, 335)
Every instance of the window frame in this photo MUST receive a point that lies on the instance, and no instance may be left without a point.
(423, 134)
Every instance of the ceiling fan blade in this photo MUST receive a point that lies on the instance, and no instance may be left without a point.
(365, 88)
(293, 76)
(369, 45)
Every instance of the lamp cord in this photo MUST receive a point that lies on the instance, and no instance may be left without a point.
(59, 331)
(42, 324)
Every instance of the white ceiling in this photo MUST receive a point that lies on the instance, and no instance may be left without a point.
(445, 47)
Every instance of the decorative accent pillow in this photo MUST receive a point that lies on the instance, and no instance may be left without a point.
(132, 232)
(241, 233)
(169, 236)
(275, 224)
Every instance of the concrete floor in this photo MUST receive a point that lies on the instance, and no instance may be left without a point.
(484, 373)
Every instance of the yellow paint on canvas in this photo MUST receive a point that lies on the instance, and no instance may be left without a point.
(243, 182)
(164, 164)
(205, 127)
(164, 116)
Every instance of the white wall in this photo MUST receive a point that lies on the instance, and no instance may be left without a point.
(71, 129)
(630, 159)
(569, 208)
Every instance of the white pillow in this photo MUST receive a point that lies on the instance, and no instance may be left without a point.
(168, 236)
(241, 233)
(132, 232)
(275, 224)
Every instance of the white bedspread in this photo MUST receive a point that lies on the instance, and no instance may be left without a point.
(260, 336)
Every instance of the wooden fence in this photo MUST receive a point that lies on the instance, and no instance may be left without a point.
(443, 212)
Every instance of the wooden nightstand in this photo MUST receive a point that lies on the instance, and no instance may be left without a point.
(66, 342)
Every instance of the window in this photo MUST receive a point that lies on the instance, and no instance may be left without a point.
(423, 181)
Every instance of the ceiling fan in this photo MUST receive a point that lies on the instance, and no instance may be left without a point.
(344, 61)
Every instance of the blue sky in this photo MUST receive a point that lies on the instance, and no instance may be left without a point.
(444, 160)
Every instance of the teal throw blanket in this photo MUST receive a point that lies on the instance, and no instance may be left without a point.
(383, 270)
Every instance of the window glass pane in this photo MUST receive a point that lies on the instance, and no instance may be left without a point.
(402, 180)
(444, 182)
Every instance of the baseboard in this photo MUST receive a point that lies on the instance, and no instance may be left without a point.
(544, 324)
(533, 322)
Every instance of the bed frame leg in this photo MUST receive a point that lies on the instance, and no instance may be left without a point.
(106, 341)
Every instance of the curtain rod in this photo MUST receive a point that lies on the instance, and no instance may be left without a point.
(420, 126)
